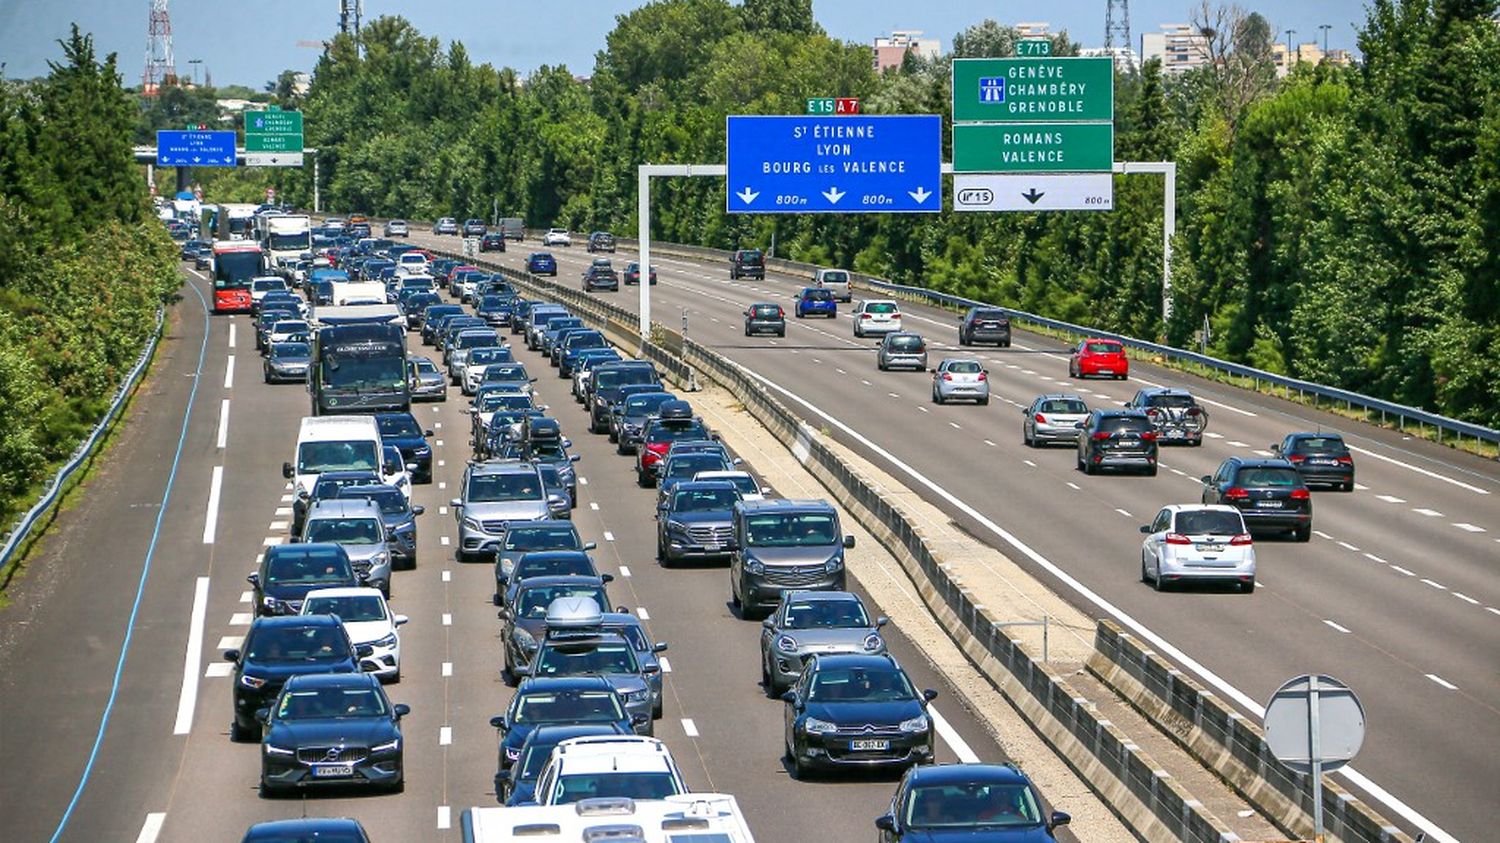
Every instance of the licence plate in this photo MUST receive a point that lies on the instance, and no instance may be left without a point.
(869, 744)
(1268, 504)
(1106, 371)
(1129, 443)
(1323, 462)
(1174, 434)
(1210, 548)
(332, 771)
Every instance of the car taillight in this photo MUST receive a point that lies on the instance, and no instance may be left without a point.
(1241, 540)
(1295, 458)
(983, 376)
(1346, 460)
(1301, 495)
(780, 314)
(864, 316)
(1148, 436)
(947, 376)
(1100, 436)
(1178, 538)
(1235, 493)
(1041, 419)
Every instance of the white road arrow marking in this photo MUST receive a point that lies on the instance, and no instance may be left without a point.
(747, 195)
(920, 194)
(833, 195)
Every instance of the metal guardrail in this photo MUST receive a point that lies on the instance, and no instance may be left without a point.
(1400, 413)
(81, 455)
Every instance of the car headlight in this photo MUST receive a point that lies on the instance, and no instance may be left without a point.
(273, 749)
(814, 726)
(874, 643)
(637, 696)
(832, 566)
(472, 523)
(677, 526)
(252, 682)
(524, 638)
(754, 566)
(786, 644)
(379, 559)
(387, 746)
(422, 449)
(916, 725)
(387, 641)
(270, 602)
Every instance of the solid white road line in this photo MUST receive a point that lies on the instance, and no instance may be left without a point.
(689, 727)
(223, 437)
(188, 700)
(1161, 644)
(640, 612)
(229, 373)
(951, 737)
(211, 520)
(151, 829)
(1338, 627)
(1441, 681)
(1409, 467)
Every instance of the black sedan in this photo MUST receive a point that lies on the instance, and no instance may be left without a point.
(967, 802)
(600, 275)
(1269, 493)
(1320, 458)
(492, 242)
(275, 650)
(331, 729)
(859, 711)
(558, 701)
(633, 273)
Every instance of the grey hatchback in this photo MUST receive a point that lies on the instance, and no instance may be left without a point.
(765, 318)
(806, 623)
(901, 349)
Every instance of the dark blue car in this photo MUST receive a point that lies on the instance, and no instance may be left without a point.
(275, 650)
(968, 802)
(558, 701)
(518, 786)
(852, 710)
(321, 829)
(816, 301)
(328, 730)
(541, 263)
(402, 430)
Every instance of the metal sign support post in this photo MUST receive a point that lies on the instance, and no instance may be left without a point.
(1168, 223)
(1315, 755)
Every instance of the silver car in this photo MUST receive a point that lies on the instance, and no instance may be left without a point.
(427, 381)
(495, 495)
(446, 225)
(960, 378)
(1052, 418)
(397, 228)
(356, 525)
(901, 349)
(809, 622)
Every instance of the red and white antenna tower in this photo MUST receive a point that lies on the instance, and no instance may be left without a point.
(161, 67)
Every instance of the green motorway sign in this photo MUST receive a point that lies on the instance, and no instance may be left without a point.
(1033, 147)
(273, 138)
(1032, 47)
(1029, 90)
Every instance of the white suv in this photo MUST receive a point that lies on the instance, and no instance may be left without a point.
(876, 316)
(557, 237)
(605, 766)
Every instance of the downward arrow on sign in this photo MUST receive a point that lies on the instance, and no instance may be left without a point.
(1032, 195)
(920, 194)
(747, 195)
(833, 195)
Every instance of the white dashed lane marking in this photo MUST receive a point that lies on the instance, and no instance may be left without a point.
(1443, 682)
(1124, 513)
(689, 727)
(1469, 528)
(1337, 627)
(625, 570)
(445, 735)
(1435, 584)
(1430, 513)
(642, 613)
(1391, 499)
(608, 536)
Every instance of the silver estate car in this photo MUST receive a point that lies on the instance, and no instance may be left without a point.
(427, 380)
(901, 349)
(356, 525)
(494, 496)
(960, 379)
(809, 622)
(1053, 417)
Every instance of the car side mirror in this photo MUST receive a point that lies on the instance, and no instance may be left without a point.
(456, 503)
(574, 457)
(881, 621)
(401, 710)
(659, 647)
(607, 578)
(468, 411)
(253, 579)
(765, 490)
(640, 719)
(263, 715)
(287, 471)
(498, 721)
(1146, 528)
(768, 623)
(401, 620)
(521, 670)
(885, 822)
(848, 541)
(391, 468)
(736, 461)
(1058, 818)
(418, 509)
(1276, 449)
(231, 655)
(590, 545)
(504, 614)
(1206, 480)
(789, 697)
(930, 694)
(1125, 404)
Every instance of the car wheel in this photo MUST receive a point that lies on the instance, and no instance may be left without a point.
(1248, 587)
(1144, 576)
(267, 791)
(1088, 467)
(1151, 472)
(765, 677)
(1347, 487)
(507, 675)
(657, 710)
(1005, 344)
(1072, 372)
(1303, 534)
(781, 333)
(799, 767)
(240, 734)
(640, 480)
(1026, 439)
(396, 677)
(985, 401)
(1159, 582)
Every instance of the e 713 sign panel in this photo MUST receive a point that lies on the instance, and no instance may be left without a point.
(829, 165)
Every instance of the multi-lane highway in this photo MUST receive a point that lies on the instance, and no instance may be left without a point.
(161, 542)
(1395, 594)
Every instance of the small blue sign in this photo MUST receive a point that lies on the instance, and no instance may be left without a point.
(858, 164)
(992, 89)
(195, 149)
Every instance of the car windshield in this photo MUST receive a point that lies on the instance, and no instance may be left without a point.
(485, 356)
(267, 285)
(965, 367)
(505, 374)
(1123, 424)
(678, 431)
(496, 488)
(295, 644)
(425, 366)
(344, 530)
(1209, 522)
(971, 805)
(398, 424)
(356, 608)
(330, 703)
(314, 457)
(535, 600)
(825, 614)
(390, 500)
(1320, 445)
(705, 500)
(817, 295)
(542, 538)
(882, 307)
(567, 707)
(1103, 347)
(549, 451)
(570, 789)
(1066, 406)
(289, 326)
(611, 378)
(791, 530)
(858, 684)
(1261, 478)
(548, 565)
(308, 567)
(477, 339)
(291, 349)
(491, 401)
(583, 659)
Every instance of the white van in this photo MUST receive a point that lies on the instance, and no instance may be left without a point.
(334, 443)
(835, 281)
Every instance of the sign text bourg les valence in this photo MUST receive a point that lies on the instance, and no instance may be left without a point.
(810, 165)
(273, 138)
(194, 149)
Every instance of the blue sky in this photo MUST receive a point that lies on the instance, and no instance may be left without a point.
(258, 39)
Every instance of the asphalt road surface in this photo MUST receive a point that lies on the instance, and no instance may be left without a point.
(160, 544)
(1395, 594)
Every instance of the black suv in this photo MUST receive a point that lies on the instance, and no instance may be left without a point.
(601, 241)
(747, 263)
(1319, 458)
(1117, 439)
(605, 384)
(1174, 413)
(600, 275)
(984, 324)
(1269, 493)
(275, 650)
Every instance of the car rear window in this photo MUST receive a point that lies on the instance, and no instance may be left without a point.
(881, 307)
(1061, 405)
(836, 277)
(1262, 478)
(1321, 445)
(770, 310)
(817, 295)
(750, 256)
(1124, 424)
(990, 315)
(912, 344)
(1176, 401)
(1211, 522)
(965, 367)
(1104, 347)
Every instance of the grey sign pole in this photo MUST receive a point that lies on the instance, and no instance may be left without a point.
(1314, 724)
(1315, 754)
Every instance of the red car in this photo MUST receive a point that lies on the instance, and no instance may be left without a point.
(1096, 357)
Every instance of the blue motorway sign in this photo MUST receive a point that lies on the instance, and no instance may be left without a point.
(857, 164)
(194, 149)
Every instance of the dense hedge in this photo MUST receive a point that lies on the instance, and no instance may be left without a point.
(83, 265)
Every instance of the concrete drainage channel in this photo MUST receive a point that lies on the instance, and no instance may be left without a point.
(1151, 802)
